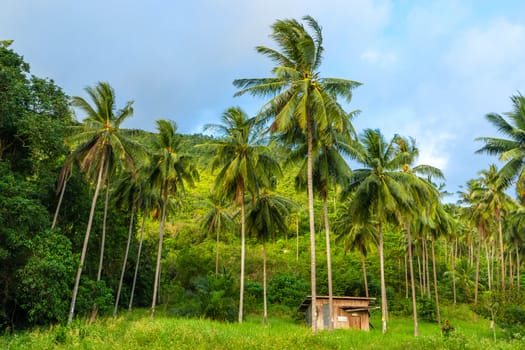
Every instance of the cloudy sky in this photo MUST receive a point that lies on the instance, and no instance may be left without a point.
(430, 69)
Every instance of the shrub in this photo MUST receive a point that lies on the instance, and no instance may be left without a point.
(289, 290)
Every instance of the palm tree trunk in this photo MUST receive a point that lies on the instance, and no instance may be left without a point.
(412, 282)
(328, 264)
(428, 269)
(492, 262)
(84, 246)
(476, 286)
(421, 289)
(130, 231)
(453, 254)
(406, 276)
(265, 302)
(487, 257)
(59, 204)
(243, 257)
(310, 186)
(217, 247)
(438, 312)
(518, 266)
(103, 240)
(159, 252)
(137, 263)
(384, 307)
(502, 257)
(365, 278)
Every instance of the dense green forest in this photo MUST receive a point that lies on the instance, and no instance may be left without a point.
(251, 216)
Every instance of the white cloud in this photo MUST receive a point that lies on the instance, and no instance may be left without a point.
(435, 19)
(492, 50)
(379, 59)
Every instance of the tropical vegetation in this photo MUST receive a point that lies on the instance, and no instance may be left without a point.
(225, 225)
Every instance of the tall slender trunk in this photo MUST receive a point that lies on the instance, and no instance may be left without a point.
(406, 276)
(103, 240)
(243, 257)
(427, 269)
(156, 283)
(86, 240)
(365, 278)
(328, 264)
(518, 266)
(502, 257)
(492, 261)
(454, 271)
(438, 312)
(511, 272)
(124, 262)
(217, 247)
(137, 263)
(310, 190)
(421, 267)
(265, 302)
(420, 276)
(476, 286)
(412, 282)
(59, 204)
(384, 306)
(487, 257)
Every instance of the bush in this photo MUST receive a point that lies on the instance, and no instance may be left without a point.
(507, 310)
(210, 297)
(289, 290)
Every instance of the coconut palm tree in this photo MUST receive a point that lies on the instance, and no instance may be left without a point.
(149, 200)
(300, 97)
(478, 215)
(171, 170)
(492, 194)
(408, 151)
(356, 237)
(267, 216)
(131, 195)
(330, 170)
(244, 165)
(382, 191)
(218, 217)
(517, 237)
(100, 144)
(510, 150)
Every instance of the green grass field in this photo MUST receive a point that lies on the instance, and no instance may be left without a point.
(137, 331)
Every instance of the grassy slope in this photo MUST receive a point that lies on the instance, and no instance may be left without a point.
(138, 331)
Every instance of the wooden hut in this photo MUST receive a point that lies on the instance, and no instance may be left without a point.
(348, 312)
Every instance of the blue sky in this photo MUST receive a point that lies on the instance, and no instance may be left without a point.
(430, 69)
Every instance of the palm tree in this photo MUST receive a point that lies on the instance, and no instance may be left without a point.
(244, 165)
(266, 217)
(131, 195)
(511, 150)
(330, 170)
(479, 216)
(100, 144)
(148, 200)
(300, 98)
(171, 169)
(382, 192)
(492, 194)
(408, 150)
(65, 173)
(356, 237)
(215, 219)
(517, 237)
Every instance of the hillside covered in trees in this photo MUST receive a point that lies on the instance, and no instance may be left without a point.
(251, 216)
